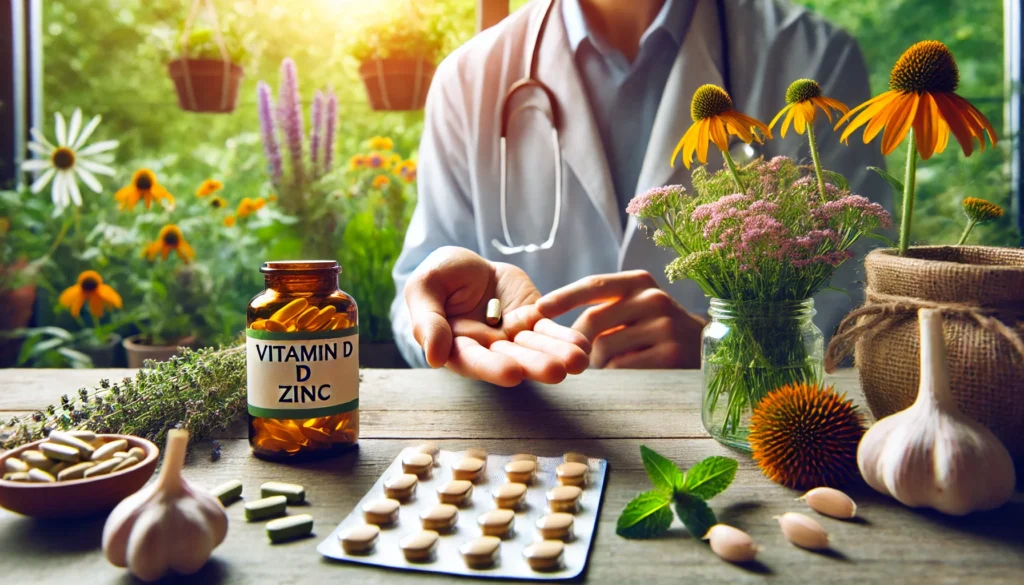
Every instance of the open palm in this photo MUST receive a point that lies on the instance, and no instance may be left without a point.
(447, 299)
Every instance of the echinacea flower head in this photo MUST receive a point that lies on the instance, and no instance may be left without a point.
(90, 287)
(217, 202)
(981, 211)
(69, 159)
(209, 187)
(170, 240)
(144, 187)
(802, 97)
(921, 96)
(381, 181)
(381, 143)
(375, 160)
(714, 118)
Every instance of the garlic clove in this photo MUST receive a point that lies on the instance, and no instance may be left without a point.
(932, 454)
(731, 544)
(831, 502)
(803, 531)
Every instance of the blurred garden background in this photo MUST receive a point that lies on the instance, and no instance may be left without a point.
(354, 190)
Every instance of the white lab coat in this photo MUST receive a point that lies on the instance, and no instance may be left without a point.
(771, 44)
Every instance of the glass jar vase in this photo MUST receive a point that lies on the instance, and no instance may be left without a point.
(749, 349)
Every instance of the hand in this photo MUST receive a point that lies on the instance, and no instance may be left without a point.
(634, 324)
(447, 298)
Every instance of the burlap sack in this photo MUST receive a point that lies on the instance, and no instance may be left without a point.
(981, 292)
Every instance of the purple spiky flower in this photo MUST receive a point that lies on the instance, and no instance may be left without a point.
(290, 115)
(330, 128)
(268, 130)
(316, 131)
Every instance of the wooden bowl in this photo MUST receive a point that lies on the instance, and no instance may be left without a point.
(79, 497)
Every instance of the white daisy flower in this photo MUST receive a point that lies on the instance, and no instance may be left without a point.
(69, 160)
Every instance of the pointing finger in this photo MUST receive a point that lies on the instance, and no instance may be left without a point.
(593, 290)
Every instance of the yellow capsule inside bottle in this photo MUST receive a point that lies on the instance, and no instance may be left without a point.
(302, 362)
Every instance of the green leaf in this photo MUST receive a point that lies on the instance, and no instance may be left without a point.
(836, 179)
(695, 515)
(646, 516)
(880, 238)
(709, 477)
(663, 473)
(896, 183)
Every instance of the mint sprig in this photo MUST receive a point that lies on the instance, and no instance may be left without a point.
(650, 513)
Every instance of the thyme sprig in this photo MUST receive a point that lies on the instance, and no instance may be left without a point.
(201, 391)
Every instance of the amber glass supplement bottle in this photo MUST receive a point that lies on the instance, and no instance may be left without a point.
(302, 358)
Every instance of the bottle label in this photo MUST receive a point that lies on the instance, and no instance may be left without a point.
(302, 374)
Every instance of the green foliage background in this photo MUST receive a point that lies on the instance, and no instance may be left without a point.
(109, 57)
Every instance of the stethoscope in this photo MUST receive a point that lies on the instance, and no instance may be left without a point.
(531, 81)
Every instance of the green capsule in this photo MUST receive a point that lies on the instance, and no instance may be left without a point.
(265, 508)
(228, 492)
(295, 493)
(289, 528)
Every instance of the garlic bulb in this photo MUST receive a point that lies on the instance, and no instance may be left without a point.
(167, 526)
(932, 454)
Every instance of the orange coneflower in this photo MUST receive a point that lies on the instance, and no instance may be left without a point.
(209, 187)
(713, 120)
(170, 240)
(978, 211)
(381, 143)
(90, 288)
(380, 181)
(802, 96)
(145, 187)
(921, 95)
(357, 161)
(922, 103)
(247, 206)
(218, 202)
(230, 221)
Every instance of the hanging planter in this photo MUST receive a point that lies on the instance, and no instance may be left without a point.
(206, 76)
(397, 84)
(397, 54)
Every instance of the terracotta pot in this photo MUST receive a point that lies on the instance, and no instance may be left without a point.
(139, 352)
(205, 86)
(381, 355)
(397, 84)
(103, 355)
(15, 312)
(980, 290)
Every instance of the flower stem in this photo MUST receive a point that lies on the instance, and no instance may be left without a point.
(908, 193)
(967, 232)
(734, 171)
(817, 161)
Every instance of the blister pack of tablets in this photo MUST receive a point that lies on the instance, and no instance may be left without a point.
(477, 514)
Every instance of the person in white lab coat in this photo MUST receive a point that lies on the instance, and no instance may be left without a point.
(605, 282)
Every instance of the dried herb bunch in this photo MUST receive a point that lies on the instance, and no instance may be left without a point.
(200, 391)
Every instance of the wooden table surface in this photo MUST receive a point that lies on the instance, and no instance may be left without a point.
(606, 414)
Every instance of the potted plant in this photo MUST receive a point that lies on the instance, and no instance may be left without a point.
(207, 69)
(979, 289)
(174, 300)
(397, 54)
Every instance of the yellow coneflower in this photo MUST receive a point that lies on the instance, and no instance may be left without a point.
(713, 120)
(209, 187)
(978, 211)
(145, 187)
(229, 221)
(381, 143)
(922, 103)
(170, 240)
(217, 202)
(380, 181)
(393, 161)
(802, 96)
(90, 287)
(357, 161)
(408, 171)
